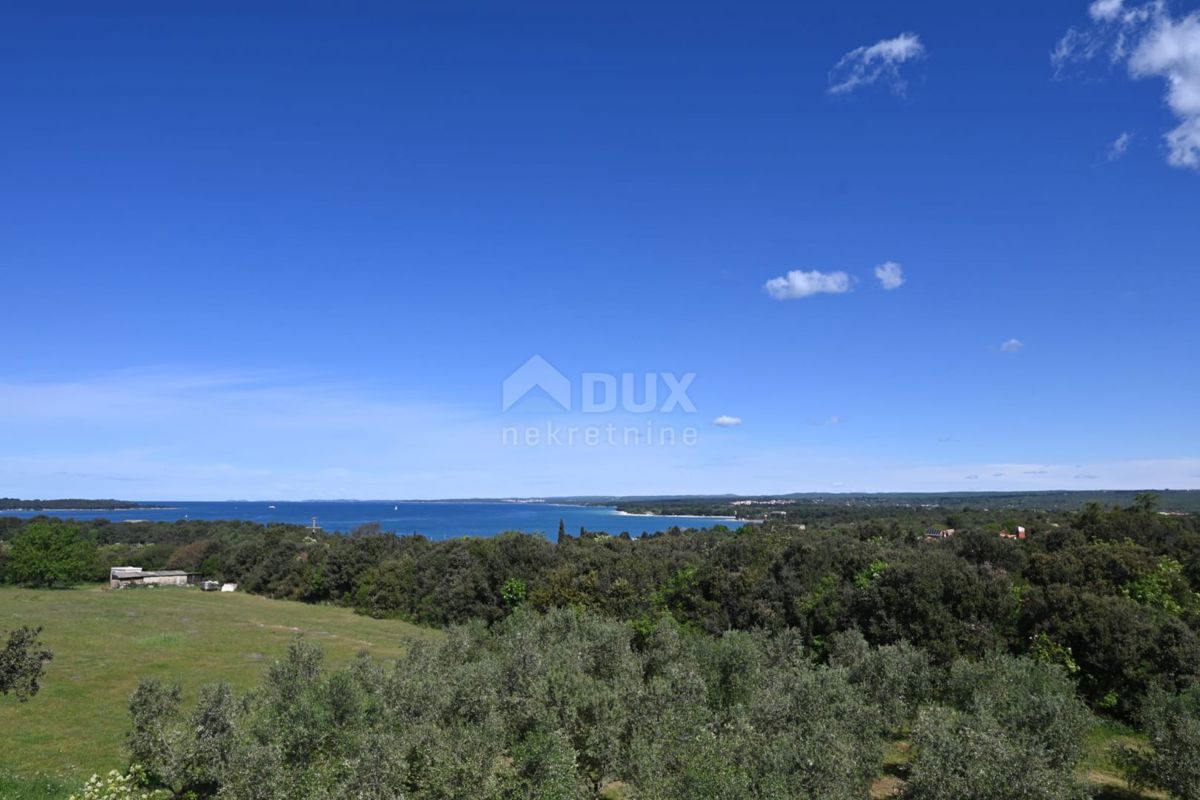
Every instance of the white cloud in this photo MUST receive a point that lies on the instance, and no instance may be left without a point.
(890, 275)
(870, 64)
(1152, 44)
(726, 421)
(1104, 10)
(1172, 51)
(1073, 46)
(1184, 144)
(798, 284)
(1119, 146)
(1012, 346)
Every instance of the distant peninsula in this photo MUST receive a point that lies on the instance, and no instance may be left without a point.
(13, 504)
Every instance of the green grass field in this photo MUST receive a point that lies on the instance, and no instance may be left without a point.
(104, 641)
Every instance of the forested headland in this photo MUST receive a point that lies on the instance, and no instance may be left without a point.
(848, 506)
(13, 504)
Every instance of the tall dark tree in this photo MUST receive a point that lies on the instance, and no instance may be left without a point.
(1145, 502)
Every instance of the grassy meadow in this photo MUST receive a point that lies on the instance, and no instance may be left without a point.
(104, 641)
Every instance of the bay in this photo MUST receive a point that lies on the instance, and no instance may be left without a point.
(434, 519)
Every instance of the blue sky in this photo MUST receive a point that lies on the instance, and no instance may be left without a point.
(261, 250)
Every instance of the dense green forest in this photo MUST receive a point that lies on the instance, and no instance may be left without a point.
(817, 640)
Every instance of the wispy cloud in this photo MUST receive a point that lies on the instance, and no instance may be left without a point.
(1012, 346)
(173, 435)
(179, 435)
(726, 421)
(1128, 474)
(1119, 146)
(876, 63)
(1151, 43)
(798, 284)
(1102, 10)
(890, 275)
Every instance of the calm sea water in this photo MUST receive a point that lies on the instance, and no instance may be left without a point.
(437, 520)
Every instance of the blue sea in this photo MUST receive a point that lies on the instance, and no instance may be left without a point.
(436, 520)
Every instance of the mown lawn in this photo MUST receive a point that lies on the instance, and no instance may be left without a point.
(103, 641)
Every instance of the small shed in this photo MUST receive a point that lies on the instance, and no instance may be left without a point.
(126, 577)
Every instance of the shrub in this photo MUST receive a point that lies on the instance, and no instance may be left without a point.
(22, 661)
(1010, 729)
(1172, 762)
(115, 786)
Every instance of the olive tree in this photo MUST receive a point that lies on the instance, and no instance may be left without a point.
(1007, 729)
(556, 706)
(22, 662)
(1172, 762)
(895, 678)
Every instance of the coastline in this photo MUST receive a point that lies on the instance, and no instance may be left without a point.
(433, 519)
(78, 510)
(727, 518)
